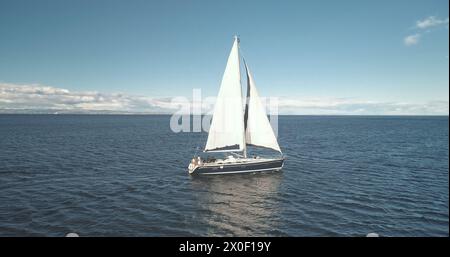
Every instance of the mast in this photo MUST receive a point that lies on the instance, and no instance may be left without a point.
(240, 82)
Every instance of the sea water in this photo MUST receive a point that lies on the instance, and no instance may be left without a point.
(112, 175)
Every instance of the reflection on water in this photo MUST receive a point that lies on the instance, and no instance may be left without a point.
(244, 205)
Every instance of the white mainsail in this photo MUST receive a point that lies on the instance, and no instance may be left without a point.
(227, 126)
(258, 130)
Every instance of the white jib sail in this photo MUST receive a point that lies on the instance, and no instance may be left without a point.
(227, 125)
(258, 130)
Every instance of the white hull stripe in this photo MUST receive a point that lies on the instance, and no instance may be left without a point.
(238, 171)
(260, 161)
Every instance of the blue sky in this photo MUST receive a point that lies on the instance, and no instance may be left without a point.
(393, 52)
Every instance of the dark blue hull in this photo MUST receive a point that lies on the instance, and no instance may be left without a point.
(248, 167)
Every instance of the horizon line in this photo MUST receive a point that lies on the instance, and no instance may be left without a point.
(169, 114)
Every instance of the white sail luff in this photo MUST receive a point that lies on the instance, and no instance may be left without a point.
(227, 125)
(258, 130)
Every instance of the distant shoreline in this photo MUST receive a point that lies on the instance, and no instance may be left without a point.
(169, 114)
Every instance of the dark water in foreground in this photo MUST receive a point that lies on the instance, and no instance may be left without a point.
(126, 176)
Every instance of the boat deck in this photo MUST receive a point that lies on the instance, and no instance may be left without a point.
(233, 161)
(239, 165)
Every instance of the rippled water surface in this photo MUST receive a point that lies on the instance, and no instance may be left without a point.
(126, 176)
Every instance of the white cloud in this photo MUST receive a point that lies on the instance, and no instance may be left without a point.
(353, 106)
(431, 21)
(427, 23)
(411, 39)
(37, 98)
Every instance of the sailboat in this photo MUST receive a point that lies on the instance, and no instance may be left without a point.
(234, 127)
